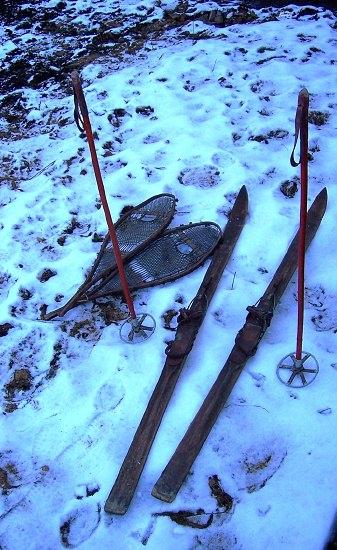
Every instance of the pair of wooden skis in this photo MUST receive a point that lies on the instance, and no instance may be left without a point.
(246, 343)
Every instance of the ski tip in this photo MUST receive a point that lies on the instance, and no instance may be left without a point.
(239, 210)
(159, 492)
(324, 194)
(240, 207)
(322, 200)
(243, 192)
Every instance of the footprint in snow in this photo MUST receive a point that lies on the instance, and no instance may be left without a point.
(217, 540)
(78, 525)
(84, 490)
(259, 464)
(201, 176)
(109, 396)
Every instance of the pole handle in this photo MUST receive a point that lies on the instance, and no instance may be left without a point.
(300, 123)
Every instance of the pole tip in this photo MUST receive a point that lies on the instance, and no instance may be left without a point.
(303, 97)
(75, 77)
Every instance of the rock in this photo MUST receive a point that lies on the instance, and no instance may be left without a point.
(21, 381)
(145, 110)
(289, 188)
(5, 328)
(46, 275)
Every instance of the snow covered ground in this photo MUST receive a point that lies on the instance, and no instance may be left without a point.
(220, 103)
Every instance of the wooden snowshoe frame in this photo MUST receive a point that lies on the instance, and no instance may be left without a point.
(174, 254)
(152, 256)
(135, 230)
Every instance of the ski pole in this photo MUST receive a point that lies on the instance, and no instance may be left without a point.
(301, 128)
(83, 123)
(82, 119)
(299, 358)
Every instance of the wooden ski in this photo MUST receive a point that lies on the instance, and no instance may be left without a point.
(189, 322)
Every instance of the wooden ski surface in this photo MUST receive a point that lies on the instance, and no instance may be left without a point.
(189, 323)
(247, 340)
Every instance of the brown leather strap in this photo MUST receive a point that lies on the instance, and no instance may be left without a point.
(298, 119)
(301, 122)
(77, 114)
(80, 106)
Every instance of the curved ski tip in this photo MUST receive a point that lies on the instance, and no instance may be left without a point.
(322, 197)
(324, 193)
(244, 192)
(242, 198)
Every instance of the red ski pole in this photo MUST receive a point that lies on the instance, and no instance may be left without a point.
(83, 123)
(300, 357)
(303, 107)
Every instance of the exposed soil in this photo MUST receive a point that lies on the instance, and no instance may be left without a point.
(47, 45)
(21, 381)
